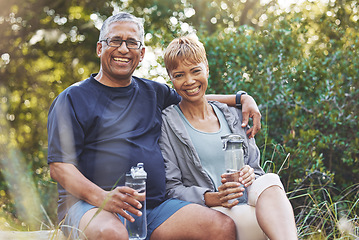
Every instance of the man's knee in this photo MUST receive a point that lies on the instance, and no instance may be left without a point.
(103, 226)
(109, 232)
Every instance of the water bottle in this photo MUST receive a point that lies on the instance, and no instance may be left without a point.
(233, 158)
(233, 152)
(136, 179)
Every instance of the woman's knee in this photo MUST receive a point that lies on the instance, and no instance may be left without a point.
(269, 181)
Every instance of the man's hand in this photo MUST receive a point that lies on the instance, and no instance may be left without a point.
(122, 200)
(250, 110)
(119, 200)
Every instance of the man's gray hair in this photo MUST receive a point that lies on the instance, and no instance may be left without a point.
(122, 17)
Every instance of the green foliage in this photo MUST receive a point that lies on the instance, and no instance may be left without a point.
(307, 91)
(306, 85)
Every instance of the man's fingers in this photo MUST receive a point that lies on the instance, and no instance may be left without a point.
(123, 200)
(126, 215)
(256, 124)
(245, 119)
(250, 110)
(250, 132)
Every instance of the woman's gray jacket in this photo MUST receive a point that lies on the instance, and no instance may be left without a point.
(185, 177)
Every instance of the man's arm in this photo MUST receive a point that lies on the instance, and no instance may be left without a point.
(249, 110)
(117, 200)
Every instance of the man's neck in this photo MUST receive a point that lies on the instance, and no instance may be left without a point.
(112, 82)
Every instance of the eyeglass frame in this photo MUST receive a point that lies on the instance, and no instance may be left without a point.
(107, 42)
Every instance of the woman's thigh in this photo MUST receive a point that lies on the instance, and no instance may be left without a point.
(246, 222)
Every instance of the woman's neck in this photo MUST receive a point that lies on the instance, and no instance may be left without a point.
(201, 115)
(192, 110)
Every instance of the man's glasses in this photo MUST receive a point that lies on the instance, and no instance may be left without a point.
(117, 42)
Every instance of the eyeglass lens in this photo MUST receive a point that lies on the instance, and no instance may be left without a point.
(117, 42)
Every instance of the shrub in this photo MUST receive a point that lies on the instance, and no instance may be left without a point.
(306, 85)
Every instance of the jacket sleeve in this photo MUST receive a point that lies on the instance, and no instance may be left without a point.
(174, 153)
(251, 146)
(254, 157)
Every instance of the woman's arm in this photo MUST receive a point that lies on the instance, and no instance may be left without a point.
(175, 187)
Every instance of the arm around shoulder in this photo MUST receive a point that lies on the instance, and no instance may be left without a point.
(249, 110)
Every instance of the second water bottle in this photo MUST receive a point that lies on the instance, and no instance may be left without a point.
(136, 179)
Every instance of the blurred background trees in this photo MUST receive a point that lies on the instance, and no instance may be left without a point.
(300, 63)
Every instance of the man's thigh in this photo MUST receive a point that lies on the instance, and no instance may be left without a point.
(194, 221)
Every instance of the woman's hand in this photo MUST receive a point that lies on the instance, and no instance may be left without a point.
(244, 176)
(230, 191)
(247, 176)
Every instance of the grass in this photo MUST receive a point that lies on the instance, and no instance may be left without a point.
(321, 212)
(329, 219)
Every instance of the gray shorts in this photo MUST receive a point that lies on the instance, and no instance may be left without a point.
(155, 216)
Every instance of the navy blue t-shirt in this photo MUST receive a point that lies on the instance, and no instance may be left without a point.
(104, 131)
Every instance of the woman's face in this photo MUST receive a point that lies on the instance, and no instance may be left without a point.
(190, 80)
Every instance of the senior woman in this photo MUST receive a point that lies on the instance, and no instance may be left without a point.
(192, 148)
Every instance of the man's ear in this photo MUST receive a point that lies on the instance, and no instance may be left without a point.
(99, 49)
(143, 50)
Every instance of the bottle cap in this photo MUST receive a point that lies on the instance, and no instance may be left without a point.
(138, 172)
(232, 140)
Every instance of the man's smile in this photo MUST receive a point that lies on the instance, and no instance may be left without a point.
(122, 60)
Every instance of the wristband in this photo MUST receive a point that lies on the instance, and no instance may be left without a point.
(238, 99)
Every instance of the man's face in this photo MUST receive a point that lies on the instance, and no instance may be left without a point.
(119, 63)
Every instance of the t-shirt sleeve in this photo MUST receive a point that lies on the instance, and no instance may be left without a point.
(171, 96)
(65, 134)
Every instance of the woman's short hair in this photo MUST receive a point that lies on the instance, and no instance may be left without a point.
(184, 49)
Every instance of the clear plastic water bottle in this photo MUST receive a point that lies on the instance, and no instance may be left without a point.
(233, 158)
(233, 152)
(136, 179)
